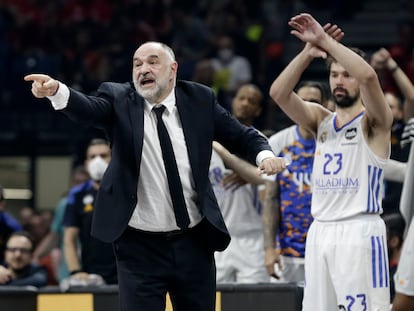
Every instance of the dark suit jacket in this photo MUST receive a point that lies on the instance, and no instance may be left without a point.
(118, 109)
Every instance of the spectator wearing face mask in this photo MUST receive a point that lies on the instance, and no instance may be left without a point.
(96, 256)
(231, 70)
(52, 243)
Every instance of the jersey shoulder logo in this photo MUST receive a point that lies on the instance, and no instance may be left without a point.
(323, 136)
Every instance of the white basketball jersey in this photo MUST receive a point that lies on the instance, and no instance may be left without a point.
(347, 175)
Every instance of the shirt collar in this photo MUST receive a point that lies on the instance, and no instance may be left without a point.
(168, 102)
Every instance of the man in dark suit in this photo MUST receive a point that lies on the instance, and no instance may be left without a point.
(162, 243)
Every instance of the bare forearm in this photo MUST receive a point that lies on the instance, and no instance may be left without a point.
(71, 258)
(49, 242)
(243, 168)
(70, 245)
(382, 60)
(283, 86)
(351, 61)
(307, 115)
(395, 171)
(270, 216)
(269, 233)
(405, 86)
(403, 82)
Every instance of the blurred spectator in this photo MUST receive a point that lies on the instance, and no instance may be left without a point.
(237, 19)
(54, 239)
(25, 214)
(8, 224)
(47, 216)
(404, 296)
(78, 11)
(401, 52)
(231, 69)
(96, 257)
(404, 289)
(6, 23)
(81, 57)
(340, 9)
(382, 60)
(204, 73)
(395, 225)
(243, 260)
(18, 269)
(38, 227)
(79, 40)
(391, 200)
(190, 38)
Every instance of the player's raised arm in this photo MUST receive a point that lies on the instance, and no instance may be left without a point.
(282, 92)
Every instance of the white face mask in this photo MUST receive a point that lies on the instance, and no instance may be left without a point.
(225, 54)
(97, 167)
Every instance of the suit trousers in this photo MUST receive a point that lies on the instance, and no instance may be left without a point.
(152, 264)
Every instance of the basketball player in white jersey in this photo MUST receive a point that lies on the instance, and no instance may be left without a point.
(286, 208)
(346, 264)
(243, 260)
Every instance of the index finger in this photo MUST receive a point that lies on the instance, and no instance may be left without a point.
(36, 77)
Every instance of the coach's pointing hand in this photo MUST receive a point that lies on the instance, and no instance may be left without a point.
(42, 85)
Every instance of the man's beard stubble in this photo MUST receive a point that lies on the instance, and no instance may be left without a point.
(344, 101)
(152, 95)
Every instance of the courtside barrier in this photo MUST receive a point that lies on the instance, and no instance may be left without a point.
(230, 297)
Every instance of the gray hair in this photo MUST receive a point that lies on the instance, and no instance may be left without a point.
(165, 47)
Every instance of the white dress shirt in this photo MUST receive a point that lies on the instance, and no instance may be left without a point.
(154, 211)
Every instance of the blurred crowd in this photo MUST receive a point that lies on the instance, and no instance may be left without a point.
(84, 42)
(222, 44)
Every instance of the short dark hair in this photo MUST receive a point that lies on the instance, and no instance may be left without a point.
(256, 88)
(330, 59)
(79, 169)
(25, 234)
(395, 224)
(322, 87)
(98, 141)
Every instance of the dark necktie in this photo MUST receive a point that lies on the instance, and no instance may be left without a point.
(174, 182)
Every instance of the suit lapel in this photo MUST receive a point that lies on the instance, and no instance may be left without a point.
(185, 111)
(136, 116)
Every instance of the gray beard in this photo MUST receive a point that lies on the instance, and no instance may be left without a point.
(149, 95)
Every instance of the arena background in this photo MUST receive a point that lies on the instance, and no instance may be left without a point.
(85, 42)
